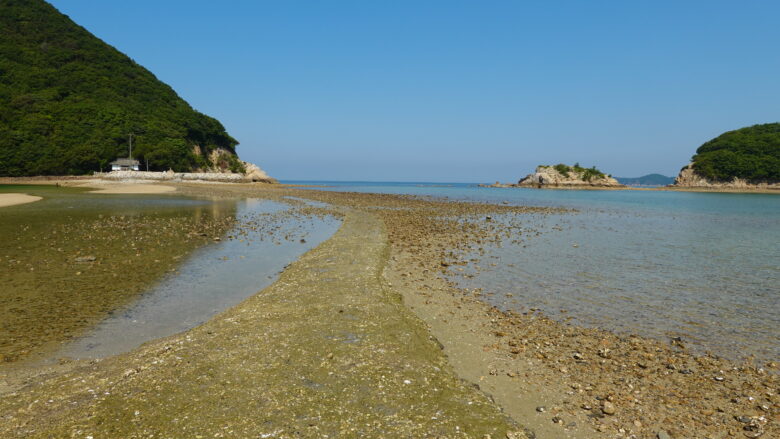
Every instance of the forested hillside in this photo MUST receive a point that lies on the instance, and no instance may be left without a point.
(69, 102)
(751, 153)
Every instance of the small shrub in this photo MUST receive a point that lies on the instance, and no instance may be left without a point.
(591, 173)
(562, 169)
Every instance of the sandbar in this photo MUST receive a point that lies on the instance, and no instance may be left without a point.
(132, 188)
(14, 199)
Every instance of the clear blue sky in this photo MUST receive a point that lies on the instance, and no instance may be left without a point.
(457, 91)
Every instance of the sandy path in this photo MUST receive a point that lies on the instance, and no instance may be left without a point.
(14, 199)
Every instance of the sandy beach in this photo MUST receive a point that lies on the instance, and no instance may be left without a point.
(130, 188)
(390, 349)
(99, 185)
(14, 199)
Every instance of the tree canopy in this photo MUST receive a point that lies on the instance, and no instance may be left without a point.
(750, 153)
(70, 102)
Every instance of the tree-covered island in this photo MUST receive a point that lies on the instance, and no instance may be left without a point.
(745, 157)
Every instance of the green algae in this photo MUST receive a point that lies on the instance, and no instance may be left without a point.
(72, 258)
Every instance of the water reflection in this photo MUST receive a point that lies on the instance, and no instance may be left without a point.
(213, 279)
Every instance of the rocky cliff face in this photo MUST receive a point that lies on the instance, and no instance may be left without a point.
(223, 161)
(688, 178)
(548, 176)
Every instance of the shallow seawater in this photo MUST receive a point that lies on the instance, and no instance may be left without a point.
(211, 280)
(701, 277)
(48, 295)
(702, 266)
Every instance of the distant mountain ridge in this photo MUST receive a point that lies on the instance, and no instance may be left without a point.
(646, 180)
(70, 102)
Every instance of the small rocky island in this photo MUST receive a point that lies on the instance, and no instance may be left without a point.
(565, 176)
(743, 159)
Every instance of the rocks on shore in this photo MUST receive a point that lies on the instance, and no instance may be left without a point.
(688, 178)
(253, 174)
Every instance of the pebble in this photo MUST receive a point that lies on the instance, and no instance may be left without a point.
(541, 409)
(608, 408)
(663, 435)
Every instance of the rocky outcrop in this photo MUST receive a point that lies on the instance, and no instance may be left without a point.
(226, 163)
(688, 178)
(253, 173)
(562, 176)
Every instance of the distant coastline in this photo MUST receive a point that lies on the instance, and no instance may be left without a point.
(747, 190)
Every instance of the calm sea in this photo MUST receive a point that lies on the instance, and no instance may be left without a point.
(703, 266)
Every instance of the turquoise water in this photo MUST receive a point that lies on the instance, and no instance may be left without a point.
(703, 266)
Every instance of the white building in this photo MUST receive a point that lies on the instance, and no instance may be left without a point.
(127, 164)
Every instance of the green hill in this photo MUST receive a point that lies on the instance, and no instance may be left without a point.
(69, 101)
(646, 180)
(751, 153)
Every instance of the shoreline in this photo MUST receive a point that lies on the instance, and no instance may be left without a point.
(85, 180)
(720, 190)
(632, 188)
(523, 361)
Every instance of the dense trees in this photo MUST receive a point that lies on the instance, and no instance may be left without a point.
(751, 153)
(69, 101)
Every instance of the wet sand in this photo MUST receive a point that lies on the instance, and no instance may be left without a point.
(14, 199)
(362, 337)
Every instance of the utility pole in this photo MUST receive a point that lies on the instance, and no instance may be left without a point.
(130, 154)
